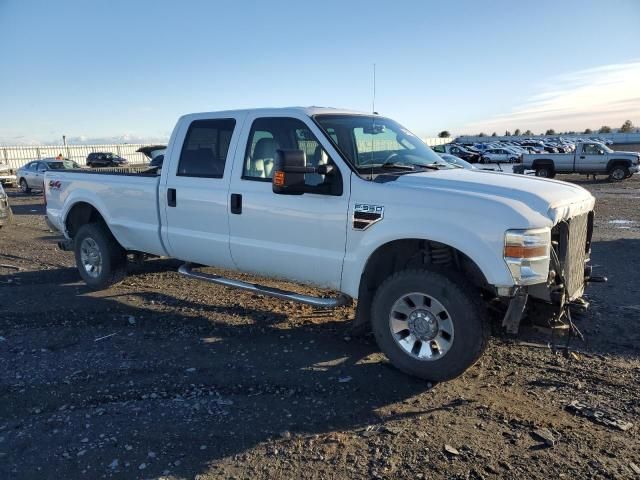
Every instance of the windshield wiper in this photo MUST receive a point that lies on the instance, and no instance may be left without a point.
(402, 166)
(413, 166)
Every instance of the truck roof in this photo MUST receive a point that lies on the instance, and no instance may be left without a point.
(309, 111)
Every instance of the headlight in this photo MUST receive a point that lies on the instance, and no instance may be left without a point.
(527, 255)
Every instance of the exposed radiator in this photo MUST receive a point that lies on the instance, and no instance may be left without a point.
(573, 244)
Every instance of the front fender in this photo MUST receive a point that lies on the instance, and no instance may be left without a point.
(484, 250)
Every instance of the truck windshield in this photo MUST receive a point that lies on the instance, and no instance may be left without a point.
(373, 142)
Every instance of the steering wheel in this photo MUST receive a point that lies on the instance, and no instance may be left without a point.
(395, 155)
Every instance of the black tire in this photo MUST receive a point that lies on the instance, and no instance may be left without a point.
(465, 310)
(113, 258)
(545, 171)
(24, 187)
(618, 173)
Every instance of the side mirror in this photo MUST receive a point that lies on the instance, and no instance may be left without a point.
(289, 172)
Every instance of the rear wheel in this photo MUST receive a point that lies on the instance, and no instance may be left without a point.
(618, 173)
(101, 261)
(24, 187)
(545, 171)
(428, 324)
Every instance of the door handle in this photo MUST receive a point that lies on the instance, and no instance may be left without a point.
(236, 203)
(582, 156)
(171, 197)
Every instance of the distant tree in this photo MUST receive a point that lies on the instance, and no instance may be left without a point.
(444, 134)
(517, 132)
(494, 134)
(588, 131)
(604, 129)
(627, 127)
(507, 133)
(528, 132)
(551, 131)
(482, 134)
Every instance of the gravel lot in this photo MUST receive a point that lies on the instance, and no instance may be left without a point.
(163, 377)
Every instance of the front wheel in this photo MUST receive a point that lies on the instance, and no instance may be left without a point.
(101, 261)
(24, 187)
(429, 324)
(619, 173)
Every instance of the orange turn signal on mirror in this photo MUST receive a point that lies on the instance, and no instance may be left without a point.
(278, 178)
(520, 251)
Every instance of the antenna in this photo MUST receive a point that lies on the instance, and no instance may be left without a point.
(373, 120)
(373, 102)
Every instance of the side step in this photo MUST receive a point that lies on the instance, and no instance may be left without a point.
(187, 270)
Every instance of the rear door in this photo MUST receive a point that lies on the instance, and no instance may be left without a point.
(194, 197)
(38, 176)
(296, 237)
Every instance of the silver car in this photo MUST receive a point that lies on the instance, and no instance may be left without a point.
(31, 175)
(5, 209)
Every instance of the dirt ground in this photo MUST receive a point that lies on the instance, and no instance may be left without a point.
(164, 377)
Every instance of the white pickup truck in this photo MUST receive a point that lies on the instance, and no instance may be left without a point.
(346, 201)
(591, 158)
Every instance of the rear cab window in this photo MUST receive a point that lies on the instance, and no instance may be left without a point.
(205, 148)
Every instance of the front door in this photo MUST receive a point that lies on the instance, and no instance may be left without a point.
(296, 237)
(592, 158)
(194, 199)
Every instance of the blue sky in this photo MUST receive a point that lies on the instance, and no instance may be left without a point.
(98, 70)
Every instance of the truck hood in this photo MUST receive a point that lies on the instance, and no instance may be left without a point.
(625, 154)
(554, 199)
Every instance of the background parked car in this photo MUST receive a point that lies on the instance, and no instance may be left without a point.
(31, 175)
(459, 162)
(497, 155)
(155, 154)
(5, 210)
(457, 150)
(105, 159)
(7, 175)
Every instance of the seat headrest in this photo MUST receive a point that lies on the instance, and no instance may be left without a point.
(265, 148)
(320, 157)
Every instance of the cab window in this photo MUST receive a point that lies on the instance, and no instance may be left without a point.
(205, 148)
(268, 135)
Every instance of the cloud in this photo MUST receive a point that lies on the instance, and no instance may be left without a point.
(605, 95)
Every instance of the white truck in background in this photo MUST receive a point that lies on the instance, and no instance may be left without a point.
(346, 201)
(590, 158)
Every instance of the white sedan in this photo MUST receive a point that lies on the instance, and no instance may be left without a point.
(497, 155)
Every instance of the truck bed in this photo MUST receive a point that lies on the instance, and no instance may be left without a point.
(128, 201)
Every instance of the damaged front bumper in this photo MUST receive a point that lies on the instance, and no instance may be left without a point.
(568, 275)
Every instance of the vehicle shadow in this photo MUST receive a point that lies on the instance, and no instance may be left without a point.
(189, 376)
(610, 326)
(191, 381)
(28, 209)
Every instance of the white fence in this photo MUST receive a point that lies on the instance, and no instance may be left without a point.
(16, 156)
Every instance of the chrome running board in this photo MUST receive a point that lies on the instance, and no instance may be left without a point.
(187, 270)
